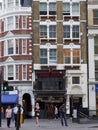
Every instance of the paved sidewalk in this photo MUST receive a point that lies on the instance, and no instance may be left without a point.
(52, 124)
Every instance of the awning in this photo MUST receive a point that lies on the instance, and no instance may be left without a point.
(9, 98)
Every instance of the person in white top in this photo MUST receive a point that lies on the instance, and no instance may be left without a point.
(8, 115)
(56, 112)
(15, 111)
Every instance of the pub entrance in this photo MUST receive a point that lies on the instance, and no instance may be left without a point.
(75, 103)
(50, 90)
(47, 109)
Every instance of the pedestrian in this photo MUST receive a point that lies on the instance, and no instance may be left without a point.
(37, 113)
(56, 112)
(8, 115)
(62, 111)
(17, 110)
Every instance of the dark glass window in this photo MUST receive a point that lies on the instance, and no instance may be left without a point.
(25, 3)
(95, 17)
(75, 80)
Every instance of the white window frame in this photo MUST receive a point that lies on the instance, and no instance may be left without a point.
(10, 23)
(71, 29)
(10, 70)
(10, 45)
(17, 2)
(24, 22)
(24, 46)
(43, 31)
(17, 72)
(66, 33)
(10, 3)
(49, 47)
(24, 72)
(71, 48)
(48, 29)
(16, 22)
(15, 46)
(75, 10)
(66, 8)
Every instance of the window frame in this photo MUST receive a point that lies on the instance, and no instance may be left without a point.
(49, 56)
(66, 31)
(10, 72)
(66, 8)
(95, 17)
(75, 32)
(24, 72)
(75, 80)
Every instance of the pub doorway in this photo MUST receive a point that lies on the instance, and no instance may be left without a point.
(75, 103)
(47, 109)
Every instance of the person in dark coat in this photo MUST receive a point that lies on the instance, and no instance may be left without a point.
(62, 111)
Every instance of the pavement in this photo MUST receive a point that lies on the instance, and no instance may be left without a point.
(51, 124)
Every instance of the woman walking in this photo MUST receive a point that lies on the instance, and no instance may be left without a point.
(37, 113)
(8, 115)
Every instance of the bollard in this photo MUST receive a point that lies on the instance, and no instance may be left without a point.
(18, 119)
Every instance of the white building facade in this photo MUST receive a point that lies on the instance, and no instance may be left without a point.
(93, 56)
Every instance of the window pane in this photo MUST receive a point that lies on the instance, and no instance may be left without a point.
(66, 31)
(96, 45)
(76, 56)
(23, 46)
(10, 23)
(75, 31)
(10, 72)
(17, 21)
(43, 9)
(75, 80)
(67, 56)
(52, 9)
(52, 31)
(43, 56)
(52, 56)
(17, 72)
(43, 31)
(10, 47)
(10, 3)
(24, 21)
(75, 8)
(52, 6)
(17, 2)
(96, 70)
(24, 68)
(66, 8)
(17, 46)
(95, 14)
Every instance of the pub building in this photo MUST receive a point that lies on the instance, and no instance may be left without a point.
(59, 54)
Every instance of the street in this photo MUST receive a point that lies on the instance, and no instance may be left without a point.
(50, 124)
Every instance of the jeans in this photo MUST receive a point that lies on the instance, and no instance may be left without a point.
(63, 119)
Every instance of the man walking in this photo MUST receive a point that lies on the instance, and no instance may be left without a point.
(62, 111)
(17, 110)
